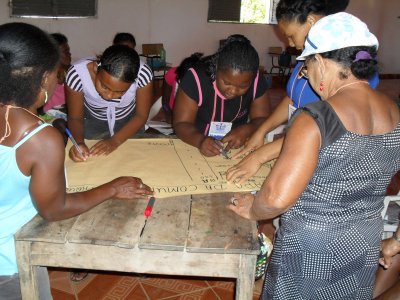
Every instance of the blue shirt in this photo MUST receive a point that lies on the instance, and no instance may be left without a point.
(301, 92)
(16, 207)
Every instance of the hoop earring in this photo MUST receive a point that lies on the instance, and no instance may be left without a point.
(46, 96)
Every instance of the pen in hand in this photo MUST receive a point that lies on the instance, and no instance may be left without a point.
(73, 141)
(222, 150)
(224, 153)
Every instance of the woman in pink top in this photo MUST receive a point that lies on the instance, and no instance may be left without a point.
(58, 97)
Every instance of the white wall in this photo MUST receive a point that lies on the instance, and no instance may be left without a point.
(382, 19)
(182, 26)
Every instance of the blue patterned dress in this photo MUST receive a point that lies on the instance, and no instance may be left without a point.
(327, 246)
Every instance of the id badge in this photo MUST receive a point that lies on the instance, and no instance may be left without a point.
(219, 129)
(291, 110)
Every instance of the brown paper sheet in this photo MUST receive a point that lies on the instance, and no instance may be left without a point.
(169, 166)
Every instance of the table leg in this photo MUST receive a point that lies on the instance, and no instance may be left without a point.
(27, 272)
(246, 276)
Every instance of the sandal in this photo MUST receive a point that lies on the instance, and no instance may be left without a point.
(265, 251)
(78, 276)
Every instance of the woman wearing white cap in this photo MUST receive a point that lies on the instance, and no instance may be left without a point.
(330, 179)
(295, 19)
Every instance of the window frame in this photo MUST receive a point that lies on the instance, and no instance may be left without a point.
(51, 9)
(220, 5)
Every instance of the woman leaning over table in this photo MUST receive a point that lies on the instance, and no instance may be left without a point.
(330, 179)
(224, 87)
(108, 99)
(32, 178)
(295, 19)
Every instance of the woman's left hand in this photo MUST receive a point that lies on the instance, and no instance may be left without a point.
(389, 248)
(241, 204)
(246, 168)
(236, 137)
(104, 147)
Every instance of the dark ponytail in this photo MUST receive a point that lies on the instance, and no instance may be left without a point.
(26, 54)
(186, 64)
(360, 60)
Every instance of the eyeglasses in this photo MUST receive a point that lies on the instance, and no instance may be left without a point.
(303, 71)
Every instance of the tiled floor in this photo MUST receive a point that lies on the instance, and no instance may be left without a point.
(122, 286)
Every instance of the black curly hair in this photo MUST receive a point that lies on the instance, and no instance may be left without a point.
(124, 37)
(298, 10)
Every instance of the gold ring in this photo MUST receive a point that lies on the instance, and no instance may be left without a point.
(234, 201)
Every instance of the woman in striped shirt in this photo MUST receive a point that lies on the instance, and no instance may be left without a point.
(108, 99)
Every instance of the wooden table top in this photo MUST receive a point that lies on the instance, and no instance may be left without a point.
(197, 223)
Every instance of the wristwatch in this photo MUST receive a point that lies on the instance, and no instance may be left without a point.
(396, 238)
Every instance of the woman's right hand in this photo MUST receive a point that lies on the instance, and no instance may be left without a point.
(255, 141)
(210, 147)
(76, 156)
(130, 187)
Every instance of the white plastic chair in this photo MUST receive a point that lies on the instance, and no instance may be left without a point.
(278, 130)
(155, 109)
(388, 229)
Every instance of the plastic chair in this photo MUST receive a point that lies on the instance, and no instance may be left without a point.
(389, 228)
(281, 62)
(293, 54)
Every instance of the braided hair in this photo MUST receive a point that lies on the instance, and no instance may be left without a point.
(120, 62)
(236, 53)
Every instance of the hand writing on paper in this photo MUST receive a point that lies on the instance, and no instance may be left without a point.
(209, 147)
(76, 156)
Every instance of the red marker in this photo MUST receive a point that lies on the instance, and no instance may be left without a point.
(149, 207)
(147, 212)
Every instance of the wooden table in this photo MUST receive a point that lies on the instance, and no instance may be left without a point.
(187, 235)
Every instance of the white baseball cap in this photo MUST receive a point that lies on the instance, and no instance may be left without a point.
(337, 31)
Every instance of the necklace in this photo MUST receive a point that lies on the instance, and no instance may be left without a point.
(295, 80)
(240, 107)
(8, 127)
(348, 84)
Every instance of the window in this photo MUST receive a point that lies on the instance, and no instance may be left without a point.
(242, 11)
(53, 8)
